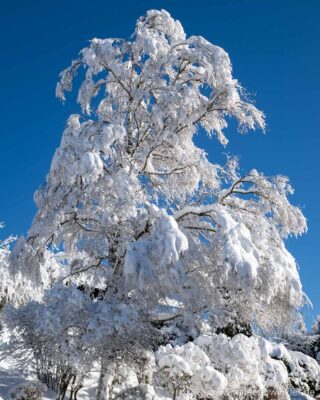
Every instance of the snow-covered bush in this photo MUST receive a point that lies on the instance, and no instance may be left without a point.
(246, 364)
(67, 333)
(220, 367)
(186, 373)
(304, 372)
(28, 391)
(259, 366)
(140, 392)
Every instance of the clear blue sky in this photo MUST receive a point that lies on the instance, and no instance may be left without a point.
(275, 50)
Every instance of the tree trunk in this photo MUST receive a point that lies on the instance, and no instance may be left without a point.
(105, 381)
(174, 394)
(72, 390)
(101, 384)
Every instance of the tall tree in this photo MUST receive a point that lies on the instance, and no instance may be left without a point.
(137, 222)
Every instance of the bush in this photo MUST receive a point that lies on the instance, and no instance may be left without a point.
(28, 391)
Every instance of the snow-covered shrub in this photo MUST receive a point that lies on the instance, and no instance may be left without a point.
(123, 381)
(28, 391)
(185, 371)
(246, 365)
(256, 365)
(240, 367)
(304, 372)
(140, 392)
(68, 331)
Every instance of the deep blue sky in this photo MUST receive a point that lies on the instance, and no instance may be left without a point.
(275, 50)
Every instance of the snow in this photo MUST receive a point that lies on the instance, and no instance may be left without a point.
(239, 251)
(207, 380)
(176, 365)
(245, 361)
(161, 249)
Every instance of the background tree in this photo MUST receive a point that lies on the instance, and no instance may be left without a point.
(9, 289)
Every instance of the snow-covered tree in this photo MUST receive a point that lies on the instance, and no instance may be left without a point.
(138, 235)
(8, 286)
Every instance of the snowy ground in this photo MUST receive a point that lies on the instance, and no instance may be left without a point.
(9, 378)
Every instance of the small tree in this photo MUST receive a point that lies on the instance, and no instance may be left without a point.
(134, 215)
(8, 287)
